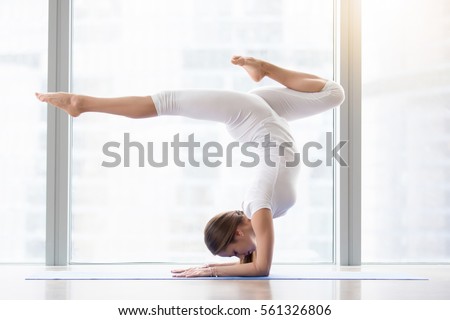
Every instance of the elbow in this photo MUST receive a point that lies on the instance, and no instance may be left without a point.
(263, 271)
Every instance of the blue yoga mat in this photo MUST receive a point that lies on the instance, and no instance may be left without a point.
(152, 275)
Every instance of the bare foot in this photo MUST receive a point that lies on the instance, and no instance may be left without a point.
(253, 66)
(66, 101)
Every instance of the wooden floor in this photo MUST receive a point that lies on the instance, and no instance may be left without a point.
(14, 286)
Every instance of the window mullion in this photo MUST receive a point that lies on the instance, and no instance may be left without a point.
(348, 201)
(58, 135)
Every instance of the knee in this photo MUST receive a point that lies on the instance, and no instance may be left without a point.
(165, 102)
(338, 94)
(290, 197)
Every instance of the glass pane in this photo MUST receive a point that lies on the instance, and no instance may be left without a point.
(23, 65)
(405, 120)
(126, 214)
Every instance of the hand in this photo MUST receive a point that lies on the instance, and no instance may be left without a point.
(204, 271)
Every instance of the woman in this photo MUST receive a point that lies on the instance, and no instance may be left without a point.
(249, 117)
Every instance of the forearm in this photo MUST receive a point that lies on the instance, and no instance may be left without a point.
(241, 270)
(221, 264)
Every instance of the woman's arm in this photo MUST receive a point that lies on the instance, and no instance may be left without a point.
(262, 224)
(220, 264)
(207, 270)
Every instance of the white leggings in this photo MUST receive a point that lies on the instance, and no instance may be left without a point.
(250, 116)
(224, 106)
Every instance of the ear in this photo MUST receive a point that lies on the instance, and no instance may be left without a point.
(238, 233)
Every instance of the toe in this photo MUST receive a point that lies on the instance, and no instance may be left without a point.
(237, 60)
(40, 96)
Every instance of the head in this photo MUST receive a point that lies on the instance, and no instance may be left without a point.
(231, 234)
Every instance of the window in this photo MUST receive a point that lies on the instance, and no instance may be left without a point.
(23, 65)
(138, 47)
(405, 123)
(127, 214)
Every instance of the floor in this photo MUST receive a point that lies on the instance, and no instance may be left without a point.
(14, 286)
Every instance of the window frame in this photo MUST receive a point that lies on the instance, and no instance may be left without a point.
(347, 126)
(58, 136)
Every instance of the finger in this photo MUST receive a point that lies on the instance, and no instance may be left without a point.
(179, 275)
(194, 274)
(189, 275)
(178, 270)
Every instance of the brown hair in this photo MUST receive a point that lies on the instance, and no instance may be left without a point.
(249, 258)
(220, 230)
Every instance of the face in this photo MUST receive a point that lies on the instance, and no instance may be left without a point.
(241, 246)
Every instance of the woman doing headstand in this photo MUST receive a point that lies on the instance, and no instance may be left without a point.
(249, 117)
